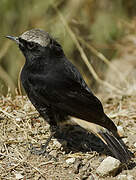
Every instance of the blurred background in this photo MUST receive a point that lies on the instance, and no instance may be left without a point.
(92, 33)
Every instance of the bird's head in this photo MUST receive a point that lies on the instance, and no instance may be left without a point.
(37, 43)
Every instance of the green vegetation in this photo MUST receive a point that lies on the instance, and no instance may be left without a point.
(100, 23)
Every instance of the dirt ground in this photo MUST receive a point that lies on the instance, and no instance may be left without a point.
(75, 154)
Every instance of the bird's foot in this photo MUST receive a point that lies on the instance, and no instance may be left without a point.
(42, 150)
(37, 151)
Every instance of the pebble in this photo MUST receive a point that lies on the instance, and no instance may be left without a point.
(130, 177)
(125, 177)
(125, 140)
(108, 166)
(121, 131)
(19, 176)
(135, 144)
(28, 107)
(18, 119)
(70, 160)
(122, 177)
(53, 153)
(57, 144)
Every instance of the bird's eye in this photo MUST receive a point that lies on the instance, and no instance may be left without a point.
(30, 45)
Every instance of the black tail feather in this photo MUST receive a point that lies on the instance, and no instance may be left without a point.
(116, 146)
(111, 139)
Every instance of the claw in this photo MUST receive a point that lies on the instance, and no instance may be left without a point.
(36, 151)
(42, 150)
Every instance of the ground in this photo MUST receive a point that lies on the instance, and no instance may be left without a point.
(75, 155)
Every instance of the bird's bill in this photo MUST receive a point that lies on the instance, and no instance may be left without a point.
(13, 38)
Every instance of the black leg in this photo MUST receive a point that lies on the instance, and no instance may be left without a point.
(42, 151)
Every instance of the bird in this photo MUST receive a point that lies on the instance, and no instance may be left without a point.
(58, 91)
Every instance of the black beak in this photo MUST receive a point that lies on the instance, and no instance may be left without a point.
(13, 38)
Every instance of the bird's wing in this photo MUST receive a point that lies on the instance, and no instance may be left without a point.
(77, 101)
(71, 97)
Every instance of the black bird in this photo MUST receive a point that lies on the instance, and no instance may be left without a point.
(57, 90)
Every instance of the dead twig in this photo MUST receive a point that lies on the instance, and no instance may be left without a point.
(83, 55)
(7, 79)
(4, 49)
(103, 58)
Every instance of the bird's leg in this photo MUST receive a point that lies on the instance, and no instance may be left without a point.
(42, 150)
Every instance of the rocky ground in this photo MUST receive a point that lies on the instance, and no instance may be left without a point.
(75, 154)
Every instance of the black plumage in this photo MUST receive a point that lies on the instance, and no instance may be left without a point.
(57, 90)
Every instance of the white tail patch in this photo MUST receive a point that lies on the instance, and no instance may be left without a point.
(91, 127)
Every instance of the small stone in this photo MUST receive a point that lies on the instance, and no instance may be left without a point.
(18, 119)
(121, 131)
(53, 153)
(122, 177)
(125, 140)
(57, 144)
(19, 176)
(70, 160)
(108, 166)
(130, 177)
(135, 144)
(20, 138)
(28, 107)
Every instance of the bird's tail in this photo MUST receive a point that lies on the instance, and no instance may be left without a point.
(113, 142)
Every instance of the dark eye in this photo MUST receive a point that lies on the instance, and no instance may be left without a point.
(31, 45)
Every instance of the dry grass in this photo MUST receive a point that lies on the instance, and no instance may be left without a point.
(20, 124)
